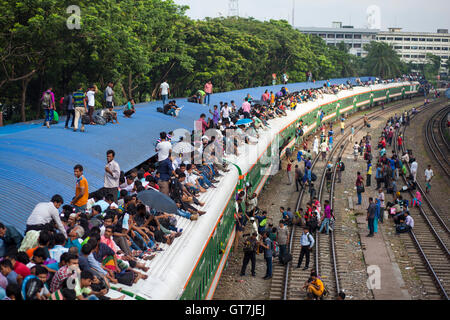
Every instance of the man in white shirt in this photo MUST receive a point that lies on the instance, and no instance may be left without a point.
(164, 91)
(163, 148)
(409, 220)
(225, 112)
(414, 167)
(429, 174)
(381, 198)
(112, 175)
(44, 214)
(109, 93)
(90, 95)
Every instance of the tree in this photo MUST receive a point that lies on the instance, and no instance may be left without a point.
(382, 60)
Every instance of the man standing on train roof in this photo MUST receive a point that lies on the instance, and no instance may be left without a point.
(246, 107)
(81, 190)
(164, 91)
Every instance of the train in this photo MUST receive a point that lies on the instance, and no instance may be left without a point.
(191, 267)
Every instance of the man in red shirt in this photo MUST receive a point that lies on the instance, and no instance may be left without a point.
(19, 267)
(201, 122)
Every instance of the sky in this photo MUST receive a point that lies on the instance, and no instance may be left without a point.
(411, 15)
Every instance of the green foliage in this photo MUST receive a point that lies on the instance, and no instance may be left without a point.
(139, 43)
(382, 60)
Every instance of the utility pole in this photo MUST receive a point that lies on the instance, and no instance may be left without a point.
(293, 13)
(233, 8)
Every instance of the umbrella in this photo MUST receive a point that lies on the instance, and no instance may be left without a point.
(158, 201)
(243, 121)
(182, 147)
(447, 93)
(260, 102)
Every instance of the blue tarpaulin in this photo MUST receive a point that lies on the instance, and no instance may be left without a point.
(37, 162)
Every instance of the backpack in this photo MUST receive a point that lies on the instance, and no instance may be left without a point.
(47, 100)
(275, 249)
(85, 119)
(248, 246)
(313, 177)
(99, 120)
(342, 166)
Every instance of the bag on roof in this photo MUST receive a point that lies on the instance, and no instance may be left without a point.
(99, 120)
(85, 119)
(159, 109)
(313, 177)
(342, 166)
(55, 117)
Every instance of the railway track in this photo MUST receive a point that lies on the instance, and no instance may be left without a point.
(436, 141)
(428, 243)
(287, 281)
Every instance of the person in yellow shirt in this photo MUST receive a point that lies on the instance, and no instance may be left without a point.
(81, 189)
(315, 288)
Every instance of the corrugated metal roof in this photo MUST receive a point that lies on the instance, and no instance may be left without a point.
(36, 162)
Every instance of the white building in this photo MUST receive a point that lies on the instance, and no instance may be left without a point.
(355, 39)
(414, 46)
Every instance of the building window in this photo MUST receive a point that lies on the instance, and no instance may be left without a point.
(437, 39)
(357, 36)
(398, 39)
(407, 39)
(382, 38)
(407, 47)
(348, 36)
(389, 38)
(445, 48)
(437, 48)
(421, 56)
(414, 39)
(398, 47)
(323, 35)
(357, 45)
(429, 48)
(406, 56)
(429, 39)
(331, 44)
(414, 48)
(414, 56)
(444, 57)
(444, 40)
(373, 37)
(330, 36)
(339, 36)
(358, 54)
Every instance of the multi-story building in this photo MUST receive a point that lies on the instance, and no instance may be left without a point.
(355, 39)
(414, 46)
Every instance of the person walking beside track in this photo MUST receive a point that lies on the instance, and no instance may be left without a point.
(282, 240)
(371, 211)
(250, 248)
(307, 243)
(428, 176)
(359, 187)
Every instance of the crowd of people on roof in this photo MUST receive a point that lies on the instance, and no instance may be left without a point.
(80, 249)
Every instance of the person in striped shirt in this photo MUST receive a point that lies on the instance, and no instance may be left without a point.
(79, 101)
